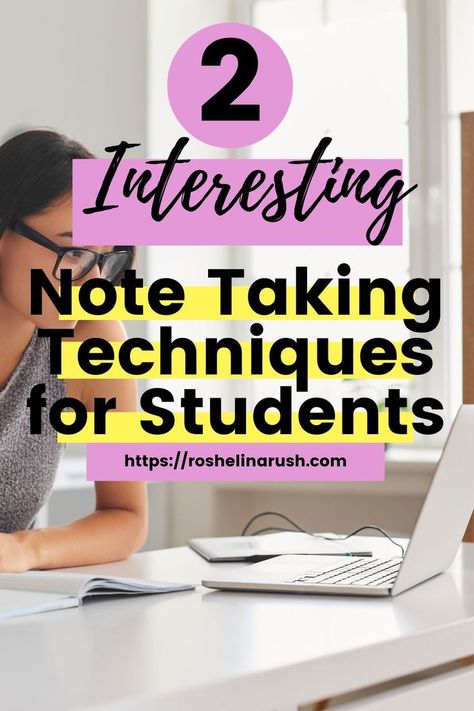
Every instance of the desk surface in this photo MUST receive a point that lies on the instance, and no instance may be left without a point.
(212, 650)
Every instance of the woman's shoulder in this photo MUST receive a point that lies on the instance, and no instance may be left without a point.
(85, 390)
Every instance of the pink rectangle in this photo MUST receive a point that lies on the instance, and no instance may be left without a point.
(344, 222)
(235, 462)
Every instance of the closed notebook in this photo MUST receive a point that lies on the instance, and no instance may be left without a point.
(254, 548)
(42, 591)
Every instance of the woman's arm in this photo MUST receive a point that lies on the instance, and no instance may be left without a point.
(118, 526)
(115, 530)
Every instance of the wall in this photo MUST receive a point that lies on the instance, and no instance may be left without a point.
(79, 67)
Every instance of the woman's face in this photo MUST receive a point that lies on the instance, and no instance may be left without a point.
(19, 255)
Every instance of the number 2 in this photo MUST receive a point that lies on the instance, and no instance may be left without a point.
(220, 107)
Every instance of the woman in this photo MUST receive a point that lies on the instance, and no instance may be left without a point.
(35, 232)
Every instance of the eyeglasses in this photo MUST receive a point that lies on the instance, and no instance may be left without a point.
(80, 261)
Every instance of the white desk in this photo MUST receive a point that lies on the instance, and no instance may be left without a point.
(228, 651)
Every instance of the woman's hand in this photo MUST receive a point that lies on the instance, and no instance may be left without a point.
(16, 555)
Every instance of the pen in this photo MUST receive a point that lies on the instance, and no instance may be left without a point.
(361, 554)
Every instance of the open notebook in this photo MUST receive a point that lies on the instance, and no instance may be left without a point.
(41, 591)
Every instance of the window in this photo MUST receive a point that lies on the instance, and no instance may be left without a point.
(372, 75)
(396, 74)
(460, 99)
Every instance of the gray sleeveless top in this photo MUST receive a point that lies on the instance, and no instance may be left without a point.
(28, 462)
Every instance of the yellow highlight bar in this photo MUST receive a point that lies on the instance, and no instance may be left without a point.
(125, 427)
(203, 303)
(72, 370)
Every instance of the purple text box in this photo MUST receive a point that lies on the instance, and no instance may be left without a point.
(177, 462)
(344, 222)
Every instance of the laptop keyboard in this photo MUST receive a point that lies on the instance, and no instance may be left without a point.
(359, 571)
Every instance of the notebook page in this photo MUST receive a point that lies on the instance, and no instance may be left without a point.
(79, 585)
(15, 603)
(110, 585)
(48, 581)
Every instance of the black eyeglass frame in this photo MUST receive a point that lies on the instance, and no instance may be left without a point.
(99, 257)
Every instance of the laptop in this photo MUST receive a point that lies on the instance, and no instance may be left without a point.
(436, 538)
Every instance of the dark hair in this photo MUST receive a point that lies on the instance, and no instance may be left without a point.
(35, 171)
